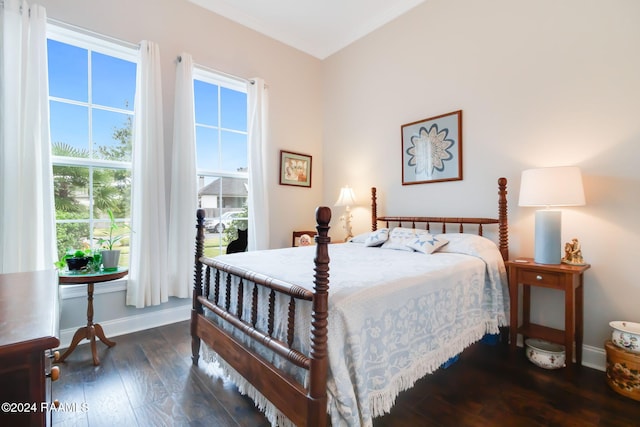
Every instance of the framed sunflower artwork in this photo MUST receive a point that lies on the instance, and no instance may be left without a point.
(432, 149)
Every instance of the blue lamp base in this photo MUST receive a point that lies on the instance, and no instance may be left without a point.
(548, 244)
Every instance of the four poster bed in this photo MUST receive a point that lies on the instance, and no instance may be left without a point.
(404, 299)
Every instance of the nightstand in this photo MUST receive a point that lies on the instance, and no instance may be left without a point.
(563, 277)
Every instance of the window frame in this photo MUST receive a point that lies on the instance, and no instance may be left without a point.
(92, 42)
(222, 81)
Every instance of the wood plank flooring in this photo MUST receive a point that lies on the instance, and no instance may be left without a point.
(147, 379)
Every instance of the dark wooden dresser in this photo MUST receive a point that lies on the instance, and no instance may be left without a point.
(29, 314)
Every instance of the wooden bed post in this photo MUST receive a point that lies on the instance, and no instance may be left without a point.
(374, 209)
(503, 226)
(197, 286)
(317, 413)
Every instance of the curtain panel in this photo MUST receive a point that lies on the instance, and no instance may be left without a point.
(258, 100)
(184, 183)
(148, 282)
(27, 223)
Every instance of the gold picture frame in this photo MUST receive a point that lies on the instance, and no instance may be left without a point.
(295, 169)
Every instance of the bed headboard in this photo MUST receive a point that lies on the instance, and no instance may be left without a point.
(501, 220)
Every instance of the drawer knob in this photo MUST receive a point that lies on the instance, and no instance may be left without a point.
(538, 277)
(55, 373)
(55, 356)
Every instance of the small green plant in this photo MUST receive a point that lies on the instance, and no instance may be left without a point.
(107, 243)
(93, 260)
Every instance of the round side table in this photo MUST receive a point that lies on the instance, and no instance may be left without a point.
(91, 331)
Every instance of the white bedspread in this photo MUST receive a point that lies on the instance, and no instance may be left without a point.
(394, 316)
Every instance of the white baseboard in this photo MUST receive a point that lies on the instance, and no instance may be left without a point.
(129, 324)
(594, 357)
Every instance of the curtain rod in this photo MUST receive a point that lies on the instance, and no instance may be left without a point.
(213, 70)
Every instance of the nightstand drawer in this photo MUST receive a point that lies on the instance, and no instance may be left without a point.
(532, 277)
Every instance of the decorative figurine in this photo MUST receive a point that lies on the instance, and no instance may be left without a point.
(573, 253)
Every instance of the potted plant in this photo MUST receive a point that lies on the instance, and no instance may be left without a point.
(87, 261)
(110, 256)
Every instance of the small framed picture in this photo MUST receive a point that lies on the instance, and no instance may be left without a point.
(295, 169)
(432, 149)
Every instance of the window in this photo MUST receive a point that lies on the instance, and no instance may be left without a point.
(91, 95)
(222, 156)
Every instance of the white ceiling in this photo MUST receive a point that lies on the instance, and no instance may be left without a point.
(317, 27)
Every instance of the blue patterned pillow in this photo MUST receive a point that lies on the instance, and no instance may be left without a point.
(426, 242)
(411, 239)
(378, 237)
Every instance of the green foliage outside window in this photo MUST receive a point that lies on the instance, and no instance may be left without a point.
(111, 190)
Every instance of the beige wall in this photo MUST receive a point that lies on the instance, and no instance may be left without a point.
(293, 78)
(542, 83)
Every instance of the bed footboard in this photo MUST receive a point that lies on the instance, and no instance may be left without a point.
(219, 292)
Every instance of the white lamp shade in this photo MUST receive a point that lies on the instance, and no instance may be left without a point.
(554, 186)
(346, 198)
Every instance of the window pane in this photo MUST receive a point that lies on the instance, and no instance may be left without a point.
(233, 109)
(111, 190)
(113, 81)
(71, 192)
(69, 129)
(207, 148)
(120, 237)
(206, 101)
(234, 152)
(68, 71)
(224, 200)
(112, 135)
(72, 236)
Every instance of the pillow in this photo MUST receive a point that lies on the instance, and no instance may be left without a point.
(469, 244)
(427, 243)
(376, 238)
(411, 239)
(360, 238)
(399, 238)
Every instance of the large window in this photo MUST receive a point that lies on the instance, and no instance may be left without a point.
(91, 95)
(222, 156)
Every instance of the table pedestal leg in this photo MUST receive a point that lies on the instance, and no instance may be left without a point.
(90, 332)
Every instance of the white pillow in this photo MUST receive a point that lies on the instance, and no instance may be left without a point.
(376, 238)
(360, 238)
(469, 244)
(411, 239)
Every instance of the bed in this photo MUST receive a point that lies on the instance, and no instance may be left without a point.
(308, 356)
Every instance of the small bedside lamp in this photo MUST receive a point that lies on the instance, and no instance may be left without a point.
(554, 186)
(346, 198)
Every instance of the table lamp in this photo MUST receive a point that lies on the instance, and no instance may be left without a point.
(346, 198)
(550, 187)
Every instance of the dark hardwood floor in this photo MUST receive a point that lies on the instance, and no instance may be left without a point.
(147, 379)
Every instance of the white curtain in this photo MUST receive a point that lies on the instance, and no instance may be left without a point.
(147, 283)
(184, 184)
(27, 223)
(258, 100)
